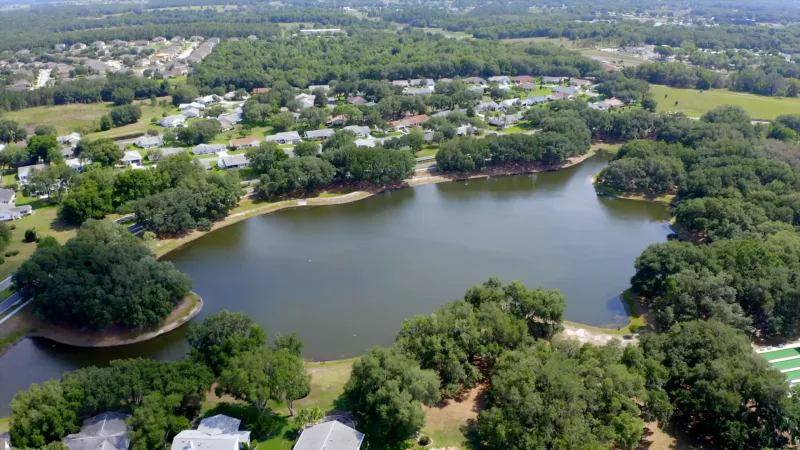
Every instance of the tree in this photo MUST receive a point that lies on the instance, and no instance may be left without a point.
(40, 146)
(86, 201)
(45, 129)
(200, 131)
(14, 156)
(184, 93)
(265, 374)
(223, 335)
(386, 391)
(6, 235)
(292, 343)
(295, 176)
(103, 151)
(155, 419)
(308, 416)
(11, 131)
(320, 98)
(306, 148)
(125, 114)
(106, 123)
(77, 284)
(265, 156)
(30, 235)
(314, 117)
(729, 394)
(122, 96)
(41, 415)
(282, 121)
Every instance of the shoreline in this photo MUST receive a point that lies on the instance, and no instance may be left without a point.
(665, 200)
(113, 338)
(421, 177)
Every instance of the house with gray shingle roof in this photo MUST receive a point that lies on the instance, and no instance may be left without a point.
(319, 134)
(332, 435)
(107, 431)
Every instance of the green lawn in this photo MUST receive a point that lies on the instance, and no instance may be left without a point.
(45, 221)
(610, 148)
(540, 92)
(779, 354)
(695, 103)
(4, 424)
(789, 364)
(65, 118)
(427, 150)
(620, 59)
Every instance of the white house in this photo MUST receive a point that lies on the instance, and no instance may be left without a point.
(8, 196)
(132, 158)
(319, 134)
(10, 212)
(248, 142)
(207, 100)
(175, 120)
(208, 149)
(191, 113)
(218, 432)
(234, 162)
(359, 131)
(148, 141)
(287, 137)
(332, 435)
(107, 431)
(24, 172)
(71, 139)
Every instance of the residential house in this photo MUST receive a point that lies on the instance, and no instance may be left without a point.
(609, 67)
(483, 107)
(506, 104)
(11, 212)
(261, 90)
(149, 141)
(413, 92)
(107, 431)
(248, 142)
(323, 87)
(527, 86)
(359, 131)
(423, 82)
(318, 134)
(560, 96)
(357, 100)
(580, 82)
(366, 143)
(234, 162)
(21, 85)
(207, 100)
(524, 79)
(156, 155)
(176, 120)
(225, 124)
(332, 435)
(606, 105)
(475, 89)
(131, 158)
(337, 121)
(475, 80)
(465, 130)
(505, 121)
(306, 100)
(500, 79)
(159, 40)
(532, 101)
(76, 164)
(552, 80)
(7, 196)
(565, 90)
(71, 139)
(234, 117)
(68, 152)
(208, 149)
(401, 83)
(286, 137)
(410, 121)
(25, 171)
(191, 113)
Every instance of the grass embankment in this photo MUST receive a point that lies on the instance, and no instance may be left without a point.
(4, 424)
(695, 103)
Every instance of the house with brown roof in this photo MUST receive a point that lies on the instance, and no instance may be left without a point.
(261, 90)
(248, 142)
(408, 122)
(524, 79)
(579, 82)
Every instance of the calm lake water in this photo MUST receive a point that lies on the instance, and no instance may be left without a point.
(344, 277)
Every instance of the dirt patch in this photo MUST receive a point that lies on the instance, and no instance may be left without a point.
(656, 438)
(588, 336)
(453, 414)
(212, 399)
(317, 370)
(185, 311)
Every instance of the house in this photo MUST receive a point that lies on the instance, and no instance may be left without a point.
(208, 149)
(614, 103)
(505, 120)
(475, 80)
(560, 96)
(413, 92)
(531, 101)
(234, 162)
(580, 82)
(234, 117)
(261, 90)
(357, 100)
(565, 90)
(427, 82)
(77, 164)
(322, 87)
(176, 120)
(524, 79)
(501, 79)
(465, 130)
(225, 124)
(149, 141)
(552, 80)
(7, 196)
(207, 100)
(68, 152)
(318, 134)
(21, 85)
(195, 105)
(132, 158)
(401, 83)
(337, 121)
(475, 89)
(156, 155)
(609, 67)
(359, 131)
(24, 172)
(486, 106)
(191, 113)
(332, 435)
(287, 137)
(5, 439)
(107, 431)
(506, 104)
(606, 105)
(248, 142)
(527, 86)
(306, 100)
(11, 212)
(410, 121)
(71, 139)
(365, 143)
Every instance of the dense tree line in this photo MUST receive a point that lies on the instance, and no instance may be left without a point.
(103, 277)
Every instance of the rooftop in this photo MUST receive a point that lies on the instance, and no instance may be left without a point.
(107, 431)
(331, 435)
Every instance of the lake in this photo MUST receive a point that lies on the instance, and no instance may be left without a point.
(345, 276)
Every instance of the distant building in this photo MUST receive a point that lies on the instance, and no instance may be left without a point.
(177, 120)
(319, 134)
(317, 31)
(132, 158)
(7, 196)
(149, 141)
(234, 162)
(107, 431)
(208, 149)
(287, 137)
(408, 122)
(24, 172)
(359, 131)
(247, 142)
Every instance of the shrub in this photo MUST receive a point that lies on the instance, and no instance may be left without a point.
(12, 253)
(424, 440)
(13, 227)
(30, 235)
(205, 224)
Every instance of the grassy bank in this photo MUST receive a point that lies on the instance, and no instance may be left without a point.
(695, 103)
(610, 192)
(46, 222)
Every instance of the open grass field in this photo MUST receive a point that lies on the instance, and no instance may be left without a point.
(46, 222)
(64, 117)
(620, 59)
(695, 103)
(450, 34)
(563, 42)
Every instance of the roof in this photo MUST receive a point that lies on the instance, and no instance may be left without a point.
(314, 134)
(410, 121)
(220, 423)
(165, 152)
(132, 155)
(232, 160)
(6, 195)
(148, 140)
(473, 80)
(261, 90)
(331, 435)
(245, 141)
(286, 136)
(365, 142)
(175, 118)
(107, 431)
(357, 129)
(197, 440)
(212, 148)
(524, 79)
(25, 170)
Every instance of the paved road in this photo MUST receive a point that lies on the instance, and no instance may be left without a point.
(9, 302)
(426, 165)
